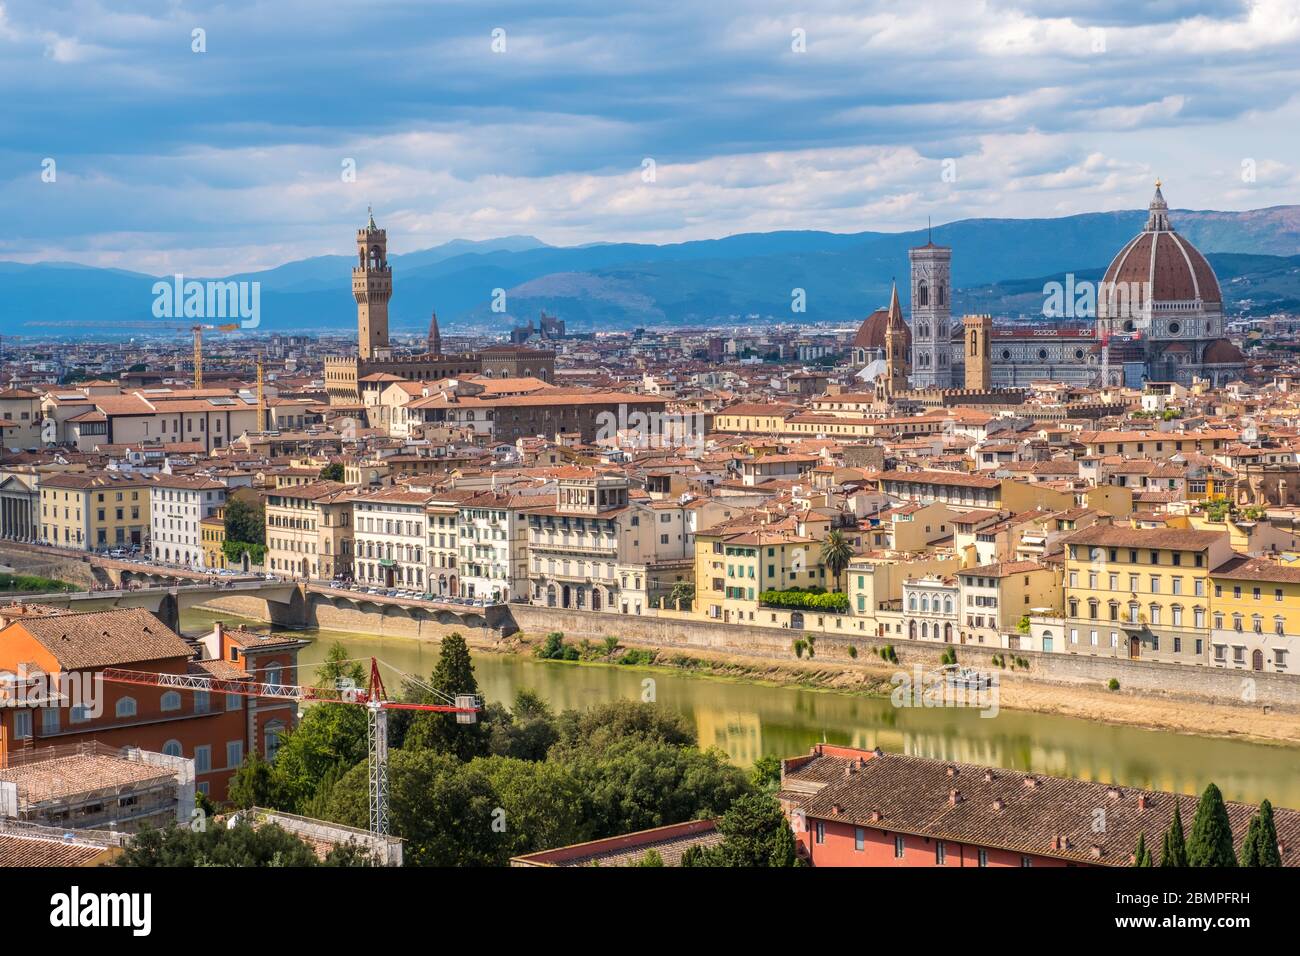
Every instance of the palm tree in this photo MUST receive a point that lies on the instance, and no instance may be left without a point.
(836, 555)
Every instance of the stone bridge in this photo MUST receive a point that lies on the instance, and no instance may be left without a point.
(168, 601)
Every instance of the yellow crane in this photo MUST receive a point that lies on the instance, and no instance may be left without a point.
(198, 347)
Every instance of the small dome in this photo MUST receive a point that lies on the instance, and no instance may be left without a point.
(1223, 352)
(871, 333)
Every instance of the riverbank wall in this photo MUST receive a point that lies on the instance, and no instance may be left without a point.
(1248, 690)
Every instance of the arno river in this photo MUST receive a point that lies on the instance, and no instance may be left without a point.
(748, 720)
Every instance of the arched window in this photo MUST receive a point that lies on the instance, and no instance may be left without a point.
(126, 707)
(922, 293)
(925, 607)
(947, 605)
(171, 701)
(938, 293)
(173, 748)
(911, 602)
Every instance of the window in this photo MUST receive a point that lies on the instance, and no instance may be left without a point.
(173, 748)
(819, 831)
(984, 857)
(202, 702)
(203, 758)
(234, 702)
(171, 701)
(234, 753)
(940, 853)
(898, 846)
(49, 720)
(859, 839)
(22, 724)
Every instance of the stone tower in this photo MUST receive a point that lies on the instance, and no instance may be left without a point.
(978, 333)
(895, 347)
(372, 287)
(931, 315)
(435, 337)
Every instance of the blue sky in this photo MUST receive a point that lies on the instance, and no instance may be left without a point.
(231, 159)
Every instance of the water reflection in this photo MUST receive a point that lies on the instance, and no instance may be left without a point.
(747, 721)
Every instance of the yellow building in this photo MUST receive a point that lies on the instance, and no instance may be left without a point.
(753, 418)
(212, 536)
(1256, 615)
(95, 512)
(1139, 593)
(735, 565)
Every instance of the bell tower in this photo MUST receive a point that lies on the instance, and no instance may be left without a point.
(372, 287)
(931, 315)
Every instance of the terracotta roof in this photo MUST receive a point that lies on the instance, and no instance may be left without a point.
(105, 638)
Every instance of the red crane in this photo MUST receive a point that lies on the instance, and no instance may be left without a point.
(374, 698)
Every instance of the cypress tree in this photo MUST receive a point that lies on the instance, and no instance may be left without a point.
(1266, 843)
(1174, 850)
(1250, 845)
(1142, 856)
(1211, 840)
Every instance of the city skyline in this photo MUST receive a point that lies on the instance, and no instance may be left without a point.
(215, 152)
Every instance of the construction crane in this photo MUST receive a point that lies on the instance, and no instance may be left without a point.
(374, 698)
(198, 347)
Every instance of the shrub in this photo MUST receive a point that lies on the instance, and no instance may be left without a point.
(853, 652)
(810, 600)
(552, 647)
(633, 656)
(1112, 684)
(799, 646)
(888, 653)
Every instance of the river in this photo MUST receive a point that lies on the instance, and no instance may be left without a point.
(749, 720)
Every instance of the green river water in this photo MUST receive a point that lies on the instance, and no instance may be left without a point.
(749, 720)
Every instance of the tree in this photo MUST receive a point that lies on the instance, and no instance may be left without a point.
(453, 675)
(1142, 856)
(766, 773)
(651, 858)
(332, 472)
(245, 520)
(1260, 845)
(1174, 850)
(329, 736)
(541, 805)
(836, 555)
(254, 785)
(442, 810)
(1211, 840)
(240, 845)
(595, 729)
(528, 732)
(755, 832)
(682, 594)
(638, 784)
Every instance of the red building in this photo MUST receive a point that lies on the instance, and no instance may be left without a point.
(851, 807)
(52, 691)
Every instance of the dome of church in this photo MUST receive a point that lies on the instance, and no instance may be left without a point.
(871, 333)
(1174, 268)
(1223, 352)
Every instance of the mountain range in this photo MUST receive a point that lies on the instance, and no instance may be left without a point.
(999, 266)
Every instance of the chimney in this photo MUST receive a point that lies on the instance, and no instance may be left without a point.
(1031, 783)
(954, 797)
(952, 771)
(1114, 793)
(989, 776)
(1143, 801)
(1096, 851)
(836, 809)
(999, 804)
(877, 816)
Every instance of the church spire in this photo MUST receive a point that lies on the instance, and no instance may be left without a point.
(1158, 213)
(435, 337)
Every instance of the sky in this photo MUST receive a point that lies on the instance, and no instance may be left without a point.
(212, 138)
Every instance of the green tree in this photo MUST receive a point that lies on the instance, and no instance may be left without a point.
(328, 736)
(683, 591)
(638, 784)
(1211, 840)
(1260, 845)
(529, 730)
(254, 784)
(1174, 850)
(541, 804)
(755, 832)
(593, 730)
(1142, 856)
(651, 858)
(443, 811)
(332, 472)
(836, 555)
(766, 773)
(453, 675)
(245, 520)
(240, 845)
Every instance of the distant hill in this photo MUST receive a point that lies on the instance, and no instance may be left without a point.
(738, 279)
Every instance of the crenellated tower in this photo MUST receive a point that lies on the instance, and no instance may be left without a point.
(372, 287)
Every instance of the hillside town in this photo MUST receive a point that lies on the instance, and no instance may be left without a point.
(1112, 503)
